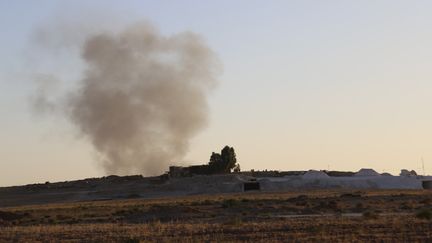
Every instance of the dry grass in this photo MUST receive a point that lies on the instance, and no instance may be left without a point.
(320, 216)
(389, 229)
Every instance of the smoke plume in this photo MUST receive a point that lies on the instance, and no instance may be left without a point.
(142, 97)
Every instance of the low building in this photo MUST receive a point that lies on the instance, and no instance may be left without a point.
(185, 171)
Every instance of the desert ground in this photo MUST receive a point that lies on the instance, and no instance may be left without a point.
(295, 216)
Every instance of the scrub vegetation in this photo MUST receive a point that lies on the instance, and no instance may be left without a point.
(391, 215)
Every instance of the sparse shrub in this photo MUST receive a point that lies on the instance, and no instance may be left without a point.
(119, 212)
(424, 214)
(316, 229)
(89, 215)
(236, 221)
(405, 206)
(350, 195)
(333, 205)
(309, 211)
(72, 221)
(302, 203)
(229, 203)
(359, 207)
(302, 197)
(135, 209)
(322, 204)
(245, 200)
(325, 206)
(206, 202)
(62, 217)
(195, 203)
(426, 201)
(132, 240)
(370, 215)
(155, 225)
(133, 195)
(10, 216)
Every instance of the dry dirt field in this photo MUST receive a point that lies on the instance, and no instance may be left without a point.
(308, 216)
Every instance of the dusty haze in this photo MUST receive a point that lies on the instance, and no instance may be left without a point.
(142, 97)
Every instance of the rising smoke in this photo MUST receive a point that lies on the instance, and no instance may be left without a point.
(142, 97)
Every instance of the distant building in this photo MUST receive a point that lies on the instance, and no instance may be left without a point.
(182, 171)
(177, 171)
(405, 172)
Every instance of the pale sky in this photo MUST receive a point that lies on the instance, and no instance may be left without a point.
(305, 84)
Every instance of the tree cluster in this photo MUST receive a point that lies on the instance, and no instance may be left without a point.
(223, 162)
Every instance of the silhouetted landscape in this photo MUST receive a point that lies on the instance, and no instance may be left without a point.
(215, 121)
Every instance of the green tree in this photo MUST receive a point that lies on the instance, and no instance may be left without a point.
(229, 159)
(215, 163)
(223, 162)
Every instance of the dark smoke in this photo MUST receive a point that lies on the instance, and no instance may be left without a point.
(143, 96)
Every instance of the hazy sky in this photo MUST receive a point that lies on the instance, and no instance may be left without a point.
(305, 84)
